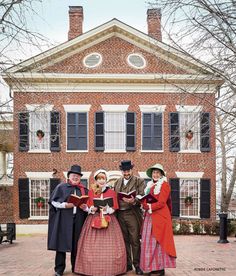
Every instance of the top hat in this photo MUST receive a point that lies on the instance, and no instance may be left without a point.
(126, 165)
(75, 169)
(155, 167)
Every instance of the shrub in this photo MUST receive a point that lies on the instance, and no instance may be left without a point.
(215, 228)
(175, 226)
(197, 227)
(184, 227)
(231, 227)
(208, 227)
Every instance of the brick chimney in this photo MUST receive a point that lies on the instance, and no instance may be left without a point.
(76, 18)
(154, 23)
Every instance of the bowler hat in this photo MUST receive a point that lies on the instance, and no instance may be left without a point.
(75, 169)
(155, 167)
(126, 165)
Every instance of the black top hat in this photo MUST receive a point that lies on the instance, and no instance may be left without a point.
(126, 165)
(75, 169)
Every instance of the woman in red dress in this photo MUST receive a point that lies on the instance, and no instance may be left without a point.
(101, 251)
(157, 246)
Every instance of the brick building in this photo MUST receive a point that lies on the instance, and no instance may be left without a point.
(110, 94)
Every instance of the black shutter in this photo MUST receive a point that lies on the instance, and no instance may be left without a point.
(205, 131)
(99, 131)
(205, 198)
(174, 131)
(175, 196)
(55, 131)
(130, 131)
(53, 183)
(24, 199)
(24, 131)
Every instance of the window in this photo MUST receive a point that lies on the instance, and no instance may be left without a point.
(92, 60)
(189, 131)
(39, 131)
(77, 131)
(152, 131)
(39, 196)
(189, 197)
(137, 61)
(115, 132)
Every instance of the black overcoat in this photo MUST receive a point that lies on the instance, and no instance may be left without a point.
(60, 224)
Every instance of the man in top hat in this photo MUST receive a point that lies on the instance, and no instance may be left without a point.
(129, 214)
(66, 220)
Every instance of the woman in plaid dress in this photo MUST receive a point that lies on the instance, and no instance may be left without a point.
(101, 252)
(157, 246)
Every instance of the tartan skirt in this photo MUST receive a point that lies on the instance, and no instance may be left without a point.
(153, 257)
(101, 252)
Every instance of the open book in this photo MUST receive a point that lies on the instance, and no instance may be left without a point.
(78, 200)
(102, 202)
(122, 195)
(149, 198)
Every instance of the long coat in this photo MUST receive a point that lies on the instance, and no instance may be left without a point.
(137, 184)
(161, 220)
(60, 225)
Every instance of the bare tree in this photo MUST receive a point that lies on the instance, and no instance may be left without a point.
(205, 30)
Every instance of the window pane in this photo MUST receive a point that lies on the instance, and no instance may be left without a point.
(189, 122)
(71, 131)
(39, 190)
(157, 118)
(147, 131)
(115, 131)
(82, 145)
(82, 131)
(147, 143)
(71, 118)
(72, 144)
(147, 118)
(39, 130)
(82, 118)
(157, 131)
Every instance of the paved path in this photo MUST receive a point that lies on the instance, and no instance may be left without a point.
(197, 255)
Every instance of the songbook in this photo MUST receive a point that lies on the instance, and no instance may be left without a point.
(78, 200)
(102, 202)
(149, 198)
(122, 195)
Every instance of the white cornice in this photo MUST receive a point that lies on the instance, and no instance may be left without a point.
(151, 76)
(77, 107)
(113, 88)
(189, 175)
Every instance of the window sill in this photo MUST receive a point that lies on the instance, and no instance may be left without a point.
(189, 151)
(38, 218)
(114, 151)
(39, 151)
(73, 151)
(189, 217)
(152, 151)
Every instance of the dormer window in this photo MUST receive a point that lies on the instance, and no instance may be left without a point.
(92, 60)
(137, 61)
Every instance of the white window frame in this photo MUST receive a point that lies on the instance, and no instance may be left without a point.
(34, 108)
(82, 108)
(38, 176)
(114, 109)
(92, 66)
(139, 55)
(198, 198)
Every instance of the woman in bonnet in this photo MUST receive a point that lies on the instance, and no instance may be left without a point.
(157, 247)
(101, 251)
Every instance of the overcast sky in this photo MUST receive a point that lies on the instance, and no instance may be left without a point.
(54, 15)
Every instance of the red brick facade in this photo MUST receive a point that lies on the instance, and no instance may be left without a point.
(114, 52)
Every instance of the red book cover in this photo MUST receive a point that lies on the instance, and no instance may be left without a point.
(149, 198)
(122, 195)
(78, 200)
